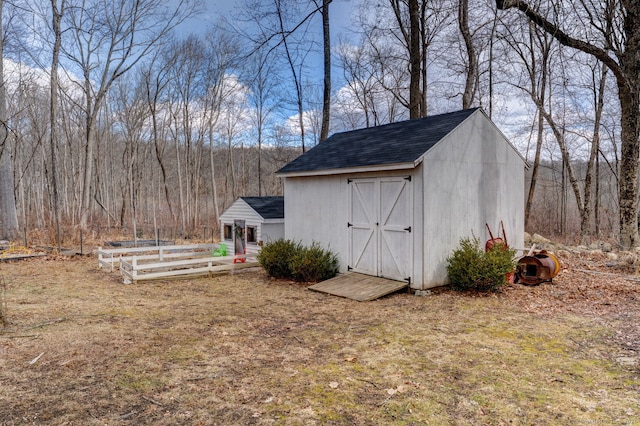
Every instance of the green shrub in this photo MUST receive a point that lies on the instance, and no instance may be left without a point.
(471, 268)
(291, 260)
(313, 264)
(275, 257)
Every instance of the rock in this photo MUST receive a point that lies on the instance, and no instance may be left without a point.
(612, 256)
(606, 247)
(527, 238)
(539, 239)
(628, 258)
(601, 245)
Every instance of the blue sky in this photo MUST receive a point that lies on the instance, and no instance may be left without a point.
(341, 20)
(340, 11)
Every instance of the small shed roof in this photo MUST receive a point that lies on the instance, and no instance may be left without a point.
(394, 143)
(268, 207)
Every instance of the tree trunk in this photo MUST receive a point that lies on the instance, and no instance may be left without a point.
(53, 107)
(414, 60)
(628, 178)
(534, 169)
(472, 66)
(294, 74)
(585, 214)
(89, 141)
(326, 98)
(8, 210)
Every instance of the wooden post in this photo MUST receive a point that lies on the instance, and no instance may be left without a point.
(134, 269)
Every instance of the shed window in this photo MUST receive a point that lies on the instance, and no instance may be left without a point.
(252, 234)
(228, 232)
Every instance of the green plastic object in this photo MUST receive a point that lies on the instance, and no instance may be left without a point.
(220, 251)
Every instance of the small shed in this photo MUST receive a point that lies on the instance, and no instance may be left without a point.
(394, 201)
(256, 220)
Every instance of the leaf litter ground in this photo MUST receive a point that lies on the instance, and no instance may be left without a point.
(82, 348)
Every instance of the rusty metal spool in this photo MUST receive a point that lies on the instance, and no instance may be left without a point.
(538, 268)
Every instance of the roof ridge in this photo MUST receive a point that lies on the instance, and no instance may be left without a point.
(409, 120)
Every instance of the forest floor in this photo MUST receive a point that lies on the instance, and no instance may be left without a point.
(79, 347)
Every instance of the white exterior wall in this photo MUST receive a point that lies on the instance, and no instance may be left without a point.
(472, 177)
(271, 231)
(266, 229)
(317, 210)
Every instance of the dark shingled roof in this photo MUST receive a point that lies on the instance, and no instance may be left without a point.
(401, 142)
(267, 207)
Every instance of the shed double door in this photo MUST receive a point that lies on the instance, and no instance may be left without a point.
(380, 223)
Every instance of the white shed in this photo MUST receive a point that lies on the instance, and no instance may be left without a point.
(257, 219)
(395, 200)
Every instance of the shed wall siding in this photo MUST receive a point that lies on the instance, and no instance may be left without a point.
(317, 210)
(472, 177)
(271, 232)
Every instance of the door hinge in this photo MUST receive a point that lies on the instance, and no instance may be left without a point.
(349, 268)
(408, 280)
(408, 178)
(349, 180)
(408, 229)
(349, 225)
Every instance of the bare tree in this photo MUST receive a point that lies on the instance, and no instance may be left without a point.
(361, 81)
(411, 36)
(264, 101)
(131, 113)
(156, 79)
(221, 58)
(415, 54)
(57, 11)
(295, 73)
(326, 53)
(107, 39)
(533, 49)
(285, 24)
(618, 47)
(186, 92)
(599, 80)
(8, 211)
(401, 33)
(472, 62)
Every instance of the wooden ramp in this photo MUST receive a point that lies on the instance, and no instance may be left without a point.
(358, 287)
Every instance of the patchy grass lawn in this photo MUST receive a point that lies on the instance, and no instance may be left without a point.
(82, 348)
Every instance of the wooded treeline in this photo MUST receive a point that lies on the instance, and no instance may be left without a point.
(119, 115)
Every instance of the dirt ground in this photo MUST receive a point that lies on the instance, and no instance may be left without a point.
(81, 348)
